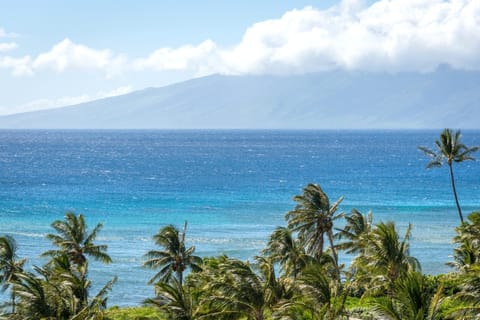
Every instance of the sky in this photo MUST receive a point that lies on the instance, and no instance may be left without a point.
(55, 53)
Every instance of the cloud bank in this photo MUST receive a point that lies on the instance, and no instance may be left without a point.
(396, 35)
(41, 104)
(389, 35)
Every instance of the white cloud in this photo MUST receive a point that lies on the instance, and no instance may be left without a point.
(18, 66)
(390, 35)
(6, 46)
(42, 104)
(196, 58)
(68, 55)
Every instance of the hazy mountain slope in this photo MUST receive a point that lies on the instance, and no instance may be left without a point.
(324, 100)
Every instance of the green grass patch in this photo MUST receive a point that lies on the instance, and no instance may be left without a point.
(133, 313)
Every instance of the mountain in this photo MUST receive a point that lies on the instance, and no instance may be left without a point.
(328, 100)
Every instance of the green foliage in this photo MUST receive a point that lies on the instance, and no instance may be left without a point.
(72, 239)
(133, 313)
(467, 253)
(313, 219)
(383, 280)
(285, 249)
(173, 257)
(11, 267)
(356, 232)
(60, 289)
(411, 300)
(385, 259)
(175, 300)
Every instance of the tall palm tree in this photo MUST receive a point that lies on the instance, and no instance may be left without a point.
(450, 150)
(73, 239)
(313, 218)
(10, 266)
(69, 263)
(174, 256)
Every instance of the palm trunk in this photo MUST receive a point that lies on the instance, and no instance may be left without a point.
(334, 253)
(259, 315)
(180, 277)
(455, 192)
(294, 264)
(320, 254)
(13, 300)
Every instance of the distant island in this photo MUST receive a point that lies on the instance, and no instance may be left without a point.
(328, 100)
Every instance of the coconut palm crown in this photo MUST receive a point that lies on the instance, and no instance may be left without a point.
(73, 239)
(174, 258)
(313, 218)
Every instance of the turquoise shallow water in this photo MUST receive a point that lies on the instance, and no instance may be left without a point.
(233, 187)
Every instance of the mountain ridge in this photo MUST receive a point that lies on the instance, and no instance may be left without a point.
(328, 100)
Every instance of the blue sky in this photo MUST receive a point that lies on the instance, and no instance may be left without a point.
(55, 53)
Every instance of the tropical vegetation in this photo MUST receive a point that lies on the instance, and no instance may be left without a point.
(298, 275)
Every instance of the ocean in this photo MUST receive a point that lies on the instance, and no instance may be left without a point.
(233, 187)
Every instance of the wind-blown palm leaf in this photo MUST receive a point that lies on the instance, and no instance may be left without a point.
(176, 300)
(10, 266)
(42, 299)
(313, 219)
(387, 258)
(283, 248)
(323, 296)
(356, 232)
(73, 239)
(412, 299)
(467, 253)
(239, 290)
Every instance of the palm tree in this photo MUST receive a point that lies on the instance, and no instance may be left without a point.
(467, 254)
(96, 307)
(388, 258)
(468, 297)
(41, 299)
(356, 232)
(282, 247)
(321, 295)
(176, 300)
(69, 263)
(313, 218)
(73, 239)
(412, 300)
(174, 258)
(10, 267)
(450, 150)
(239, 291)
(53, 294)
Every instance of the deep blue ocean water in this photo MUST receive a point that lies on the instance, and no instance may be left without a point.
(233, 187)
